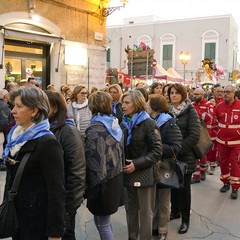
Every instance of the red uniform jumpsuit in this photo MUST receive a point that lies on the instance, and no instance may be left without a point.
(228, 139)
(205, 112)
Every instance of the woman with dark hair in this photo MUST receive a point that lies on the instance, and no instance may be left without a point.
(189, 124)
(104, 156)
(40, 199)
(158, 109)
(74, 157)
(78, 108)
(156, 88)
(165, 91)
(143, 148)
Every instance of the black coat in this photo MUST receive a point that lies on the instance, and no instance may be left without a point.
(103, 152)
(145, 148)
(189, 125)
(119, 113)
(74, 165)
(171, 138)
(40, 200)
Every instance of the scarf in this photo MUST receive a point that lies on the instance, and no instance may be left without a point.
(80, 105)
(69, 121)
(114, 105)
(134, 121)
(33, 132)
(111, 124)
(162, 118)
(179, 109)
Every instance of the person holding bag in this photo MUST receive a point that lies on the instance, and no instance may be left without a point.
(158, 109)
(40, 198)
(143, 148)
(189, 124)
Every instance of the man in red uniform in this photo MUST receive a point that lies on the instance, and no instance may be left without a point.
(218, 94)
(228, 139)
(205, 113)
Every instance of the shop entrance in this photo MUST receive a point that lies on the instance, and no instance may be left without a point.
(25, 59)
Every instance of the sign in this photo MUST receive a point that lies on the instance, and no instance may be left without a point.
(98, 36)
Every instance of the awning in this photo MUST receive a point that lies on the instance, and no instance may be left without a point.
(30, 35)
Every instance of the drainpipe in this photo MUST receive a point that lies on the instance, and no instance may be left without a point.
(120, 53)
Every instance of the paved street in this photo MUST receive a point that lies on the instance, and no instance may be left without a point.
(214, 216)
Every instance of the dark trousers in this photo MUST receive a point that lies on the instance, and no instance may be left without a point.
(70, 231)
(181, 199)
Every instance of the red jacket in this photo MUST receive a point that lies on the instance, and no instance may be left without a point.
(205, 111)
(228, 116)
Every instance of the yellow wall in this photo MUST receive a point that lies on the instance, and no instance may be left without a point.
(68, 15)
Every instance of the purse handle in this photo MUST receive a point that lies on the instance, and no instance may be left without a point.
(13, 192)
(174, 155)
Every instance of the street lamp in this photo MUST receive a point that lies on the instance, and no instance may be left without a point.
(184, 57)
(105, 12)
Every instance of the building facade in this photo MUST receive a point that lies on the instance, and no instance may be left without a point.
(210, 37)
(59, 42)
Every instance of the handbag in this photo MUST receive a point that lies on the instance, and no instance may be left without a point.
(171, 172)
(140, 178)
(204, 143)
(8, 214)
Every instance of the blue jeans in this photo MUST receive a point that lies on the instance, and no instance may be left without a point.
(104, 227)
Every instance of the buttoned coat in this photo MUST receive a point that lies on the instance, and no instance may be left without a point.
(40, 200)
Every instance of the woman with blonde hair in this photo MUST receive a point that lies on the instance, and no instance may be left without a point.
(78, 108)
(143, 148)
(116, 94)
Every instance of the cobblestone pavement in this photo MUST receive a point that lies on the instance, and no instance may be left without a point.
(214, 216)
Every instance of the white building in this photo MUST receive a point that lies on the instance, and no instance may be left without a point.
(213, 37)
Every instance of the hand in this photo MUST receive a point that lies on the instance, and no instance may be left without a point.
(130, 167)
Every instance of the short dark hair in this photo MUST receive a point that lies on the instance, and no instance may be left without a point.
(58, 102)
(100, 102)
(180, 89)
(158, 103)
(154, 85)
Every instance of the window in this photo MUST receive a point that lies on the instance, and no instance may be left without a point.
(146, 39)
(167, 56)
(108, 55)
(167, 52)
(210, 51)
(210, 42)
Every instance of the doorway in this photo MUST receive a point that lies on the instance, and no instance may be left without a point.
(24, 59)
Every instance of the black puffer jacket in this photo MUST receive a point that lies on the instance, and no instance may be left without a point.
(171, 138)
(189, 125)
(119, 113)
(145, 148)
(74, 165)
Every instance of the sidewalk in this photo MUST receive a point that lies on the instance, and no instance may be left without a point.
(214, 216)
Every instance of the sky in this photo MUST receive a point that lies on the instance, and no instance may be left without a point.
(174, 9)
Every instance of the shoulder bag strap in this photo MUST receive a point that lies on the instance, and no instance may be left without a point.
(174, 155)
(18, 176)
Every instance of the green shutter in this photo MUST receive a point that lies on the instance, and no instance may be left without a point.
(108, 55)
(210, 51)
(167, 56)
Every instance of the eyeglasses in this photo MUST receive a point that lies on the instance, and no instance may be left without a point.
(113, 92)
(227, 92)
(83, 93)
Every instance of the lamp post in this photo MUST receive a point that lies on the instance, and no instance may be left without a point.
(184, 57)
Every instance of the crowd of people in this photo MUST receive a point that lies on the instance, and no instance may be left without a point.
(104, 146)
